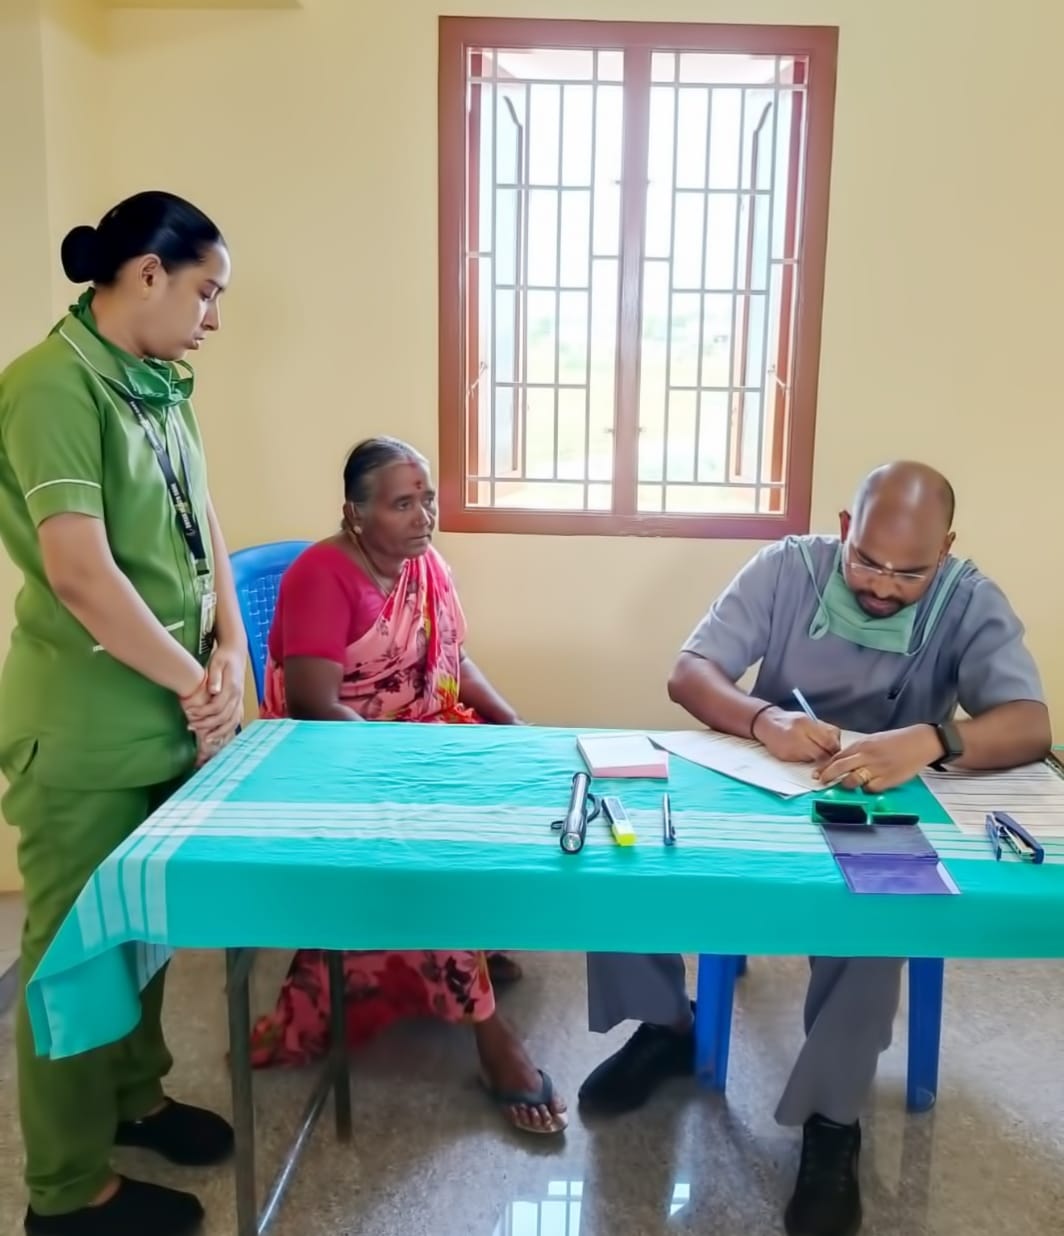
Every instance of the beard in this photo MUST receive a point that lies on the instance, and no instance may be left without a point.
(878, 607)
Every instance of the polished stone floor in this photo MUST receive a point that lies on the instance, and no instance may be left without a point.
(431, 1158)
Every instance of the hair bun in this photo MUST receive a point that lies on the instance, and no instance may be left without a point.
(79, 253)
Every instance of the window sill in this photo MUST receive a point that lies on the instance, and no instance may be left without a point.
(604, 523)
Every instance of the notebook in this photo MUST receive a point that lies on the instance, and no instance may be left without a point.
(623, 755)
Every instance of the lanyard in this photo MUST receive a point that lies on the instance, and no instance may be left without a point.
(183, 512)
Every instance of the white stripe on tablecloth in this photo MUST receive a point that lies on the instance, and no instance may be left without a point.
(505, 823)
(953, 844)
(150, 960)
(502, 823)
(143, 860)
(112, 901)
(270, 816)
(497, 823)
(89, 913)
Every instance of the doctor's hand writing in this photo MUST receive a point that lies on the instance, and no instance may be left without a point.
(795, 738)
(880, 762)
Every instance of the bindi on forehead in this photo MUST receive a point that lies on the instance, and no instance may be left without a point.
(403, 477)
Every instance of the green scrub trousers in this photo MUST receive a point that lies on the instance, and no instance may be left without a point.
(69, 1108)
(88, 747)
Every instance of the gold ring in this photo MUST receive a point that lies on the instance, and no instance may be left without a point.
(865, 775)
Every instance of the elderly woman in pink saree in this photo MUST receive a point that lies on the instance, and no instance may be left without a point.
(369, 628)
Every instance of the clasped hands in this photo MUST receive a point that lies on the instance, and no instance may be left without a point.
(874, 763)
(216, 708)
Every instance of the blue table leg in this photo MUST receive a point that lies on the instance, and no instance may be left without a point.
(713, 1019)
(926, 979)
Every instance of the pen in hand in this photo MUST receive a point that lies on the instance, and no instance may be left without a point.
(803, 704)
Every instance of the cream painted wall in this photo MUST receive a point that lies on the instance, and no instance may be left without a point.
(941, 315)
(73, 102)
(941, 312)
(199, 4)
(49, 92)
(24, 277)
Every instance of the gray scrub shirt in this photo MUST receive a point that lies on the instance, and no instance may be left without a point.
(975, 655)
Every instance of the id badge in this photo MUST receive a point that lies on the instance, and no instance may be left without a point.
(208, 616)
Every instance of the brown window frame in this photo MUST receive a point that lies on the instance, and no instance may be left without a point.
(816, 47)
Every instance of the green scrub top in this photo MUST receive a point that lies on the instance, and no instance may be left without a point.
(69, 443)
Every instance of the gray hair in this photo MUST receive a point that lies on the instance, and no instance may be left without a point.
(369, 457)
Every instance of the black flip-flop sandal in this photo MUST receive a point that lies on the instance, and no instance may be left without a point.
(505, 1099)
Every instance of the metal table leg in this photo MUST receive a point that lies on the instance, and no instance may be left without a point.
(338, 1064)
(334, 1079)
(238, 968)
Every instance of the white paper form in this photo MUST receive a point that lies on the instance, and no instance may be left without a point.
(1032, 794)
(745, 759)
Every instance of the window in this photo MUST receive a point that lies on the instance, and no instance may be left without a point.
(556, 1214)
(633, 223)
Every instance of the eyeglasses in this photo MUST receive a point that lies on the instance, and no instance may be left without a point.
(874, 572)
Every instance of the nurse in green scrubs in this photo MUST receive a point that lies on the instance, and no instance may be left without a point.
(126, 668)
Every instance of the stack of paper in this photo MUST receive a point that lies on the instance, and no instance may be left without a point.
(745, 760)
(622, 755)
(1032, 794)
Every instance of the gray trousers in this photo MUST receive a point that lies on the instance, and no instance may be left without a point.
(850, 1007)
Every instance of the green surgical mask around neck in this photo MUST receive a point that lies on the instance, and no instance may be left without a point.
(158, 385)
(838, 612)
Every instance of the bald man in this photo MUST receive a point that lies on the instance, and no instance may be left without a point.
(886, 633)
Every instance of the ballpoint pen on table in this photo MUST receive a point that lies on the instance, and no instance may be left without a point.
(668, 827)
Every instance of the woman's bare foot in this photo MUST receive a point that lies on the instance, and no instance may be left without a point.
(509, 1071)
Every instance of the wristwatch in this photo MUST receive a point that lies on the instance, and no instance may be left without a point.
(952, 744)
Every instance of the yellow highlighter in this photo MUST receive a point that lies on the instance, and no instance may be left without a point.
(620, 824)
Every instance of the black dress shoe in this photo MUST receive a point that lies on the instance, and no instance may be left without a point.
(630, 1076)
(137, 1209)
(188, 1136)
(827, 1196)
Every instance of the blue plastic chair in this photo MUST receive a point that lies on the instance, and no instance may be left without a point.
(713, 1019)
(257, 573)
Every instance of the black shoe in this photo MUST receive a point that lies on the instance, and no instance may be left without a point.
(827, 1197)
(630, 1076)
(137, 1209)
(188, 1136)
